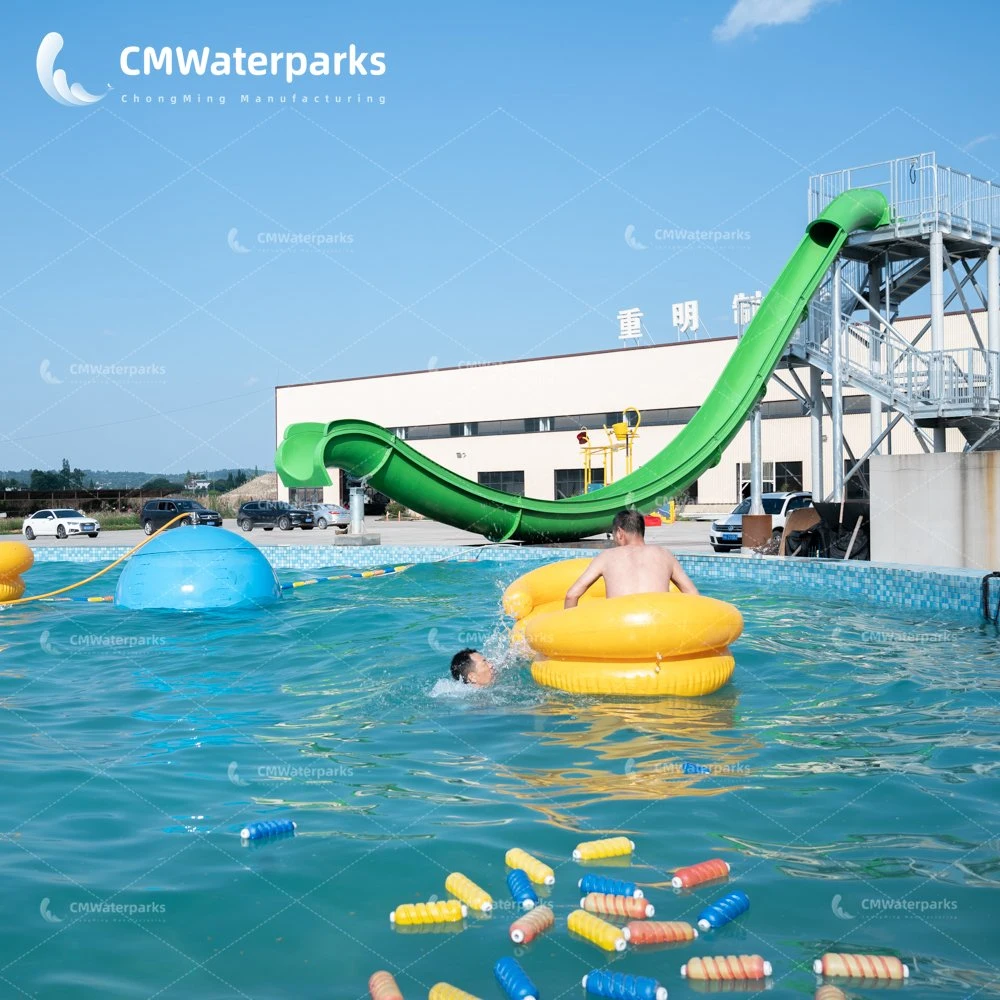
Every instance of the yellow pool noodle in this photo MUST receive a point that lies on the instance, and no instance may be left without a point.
(610, 847)
(428, 913)
(539, 872)
(468, 892)
(445, 991)
(596, 931)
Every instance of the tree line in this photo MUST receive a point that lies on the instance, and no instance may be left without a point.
(69, 478)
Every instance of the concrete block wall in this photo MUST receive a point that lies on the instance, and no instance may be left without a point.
(937, 509)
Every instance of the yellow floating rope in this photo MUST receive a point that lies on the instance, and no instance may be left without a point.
(363, 575)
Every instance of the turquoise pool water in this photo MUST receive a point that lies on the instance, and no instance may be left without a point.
(853, 789)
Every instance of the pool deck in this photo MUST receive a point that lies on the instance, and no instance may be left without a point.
(685, 536)
(925, 588)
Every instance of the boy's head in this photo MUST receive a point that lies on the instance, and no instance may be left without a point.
(470, 667)
(628, 526)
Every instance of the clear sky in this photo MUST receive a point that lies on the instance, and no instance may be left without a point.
(478, 214)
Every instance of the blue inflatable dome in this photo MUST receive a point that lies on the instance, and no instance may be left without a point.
(195, 567)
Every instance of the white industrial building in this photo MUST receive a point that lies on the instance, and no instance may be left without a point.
(514, 424)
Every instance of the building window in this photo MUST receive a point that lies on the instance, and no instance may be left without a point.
(787, 477)
(569, 482)
(535, 424)
(743, 479)
(306, 494)
(506, 482)
(463, 430)
(400, 432)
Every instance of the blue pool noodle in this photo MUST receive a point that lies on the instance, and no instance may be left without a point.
(520, 888)
(267, 828)
(612, 886)
(734, 904)
(514, 981)
(619, 986)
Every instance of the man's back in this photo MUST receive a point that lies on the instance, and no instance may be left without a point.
(632, 567)
(636, 569)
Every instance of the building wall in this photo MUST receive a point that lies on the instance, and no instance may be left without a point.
(672, 375)
(937, 510)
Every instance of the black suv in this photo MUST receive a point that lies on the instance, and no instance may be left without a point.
(268, 513)
(156, 513)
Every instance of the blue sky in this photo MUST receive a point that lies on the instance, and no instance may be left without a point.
(477, 215)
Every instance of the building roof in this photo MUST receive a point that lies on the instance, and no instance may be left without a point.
(512, 361)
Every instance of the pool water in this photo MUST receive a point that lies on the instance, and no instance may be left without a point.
(852, 785)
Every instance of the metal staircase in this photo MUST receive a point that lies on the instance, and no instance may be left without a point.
(908, 280)
(927, 387)
(938, 387)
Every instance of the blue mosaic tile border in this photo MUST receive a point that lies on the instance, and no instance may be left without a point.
(917, 587)
(927, 588)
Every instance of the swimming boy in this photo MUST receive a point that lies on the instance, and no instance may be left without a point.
(632, 566)
(470, 667)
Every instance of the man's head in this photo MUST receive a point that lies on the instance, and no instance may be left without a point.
(628, 527)
(470, 667)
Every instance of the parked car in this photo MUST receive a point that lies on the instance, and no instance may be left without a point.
(329, 515)
(156, 513)
(268, 513)
(727, 532)
(61, 522)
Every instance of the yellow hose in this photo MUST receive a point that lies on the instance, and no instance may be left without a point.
(100, 572)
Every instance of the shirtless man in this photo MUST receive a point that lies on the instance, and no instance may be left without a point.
(632, 567)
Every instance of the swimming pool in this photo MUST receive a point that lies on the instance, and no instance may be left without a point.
(852, 781)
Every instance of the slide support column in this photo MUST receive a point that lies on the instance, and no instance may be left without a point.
(874, 348)
(993, 318)
(816, 431)
(937, 327)
(756, 463)
(837, 386)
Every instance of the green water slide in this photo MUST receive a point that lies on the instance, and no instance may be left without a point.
(367, 450)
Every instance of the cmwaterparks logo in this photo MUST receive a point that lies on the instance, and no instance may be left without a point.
(105, 910)
(152, 62)
(54, 81)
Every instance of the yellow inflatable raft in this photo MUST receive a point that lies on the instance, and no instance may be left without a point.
(15, 559)
(644, 644)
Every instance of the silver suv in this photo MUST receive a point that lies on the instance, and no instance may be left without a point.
(330, 515)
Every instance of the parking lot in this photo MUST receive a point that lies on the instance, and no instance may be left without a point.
(684, 536)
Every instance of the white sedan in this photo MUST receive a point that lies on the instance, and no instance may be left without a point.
(61, 522)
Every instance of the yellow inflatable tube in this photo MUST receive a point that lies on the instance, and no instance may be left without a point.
(15, 559)
(643, 644)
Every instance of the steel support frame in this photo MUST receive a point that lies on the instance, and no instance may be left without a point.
(819, 404)
(993, 317)
(756, 463)
(874, 350)
(970, 276)
(872, 449)
(961, 295)
(816, 429)
(837, 381)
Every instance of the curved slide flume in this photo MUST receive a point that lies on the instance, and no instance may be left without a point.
(401, 472)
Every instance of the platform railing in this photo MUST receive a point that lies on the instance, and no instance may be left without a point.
(923, 195)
